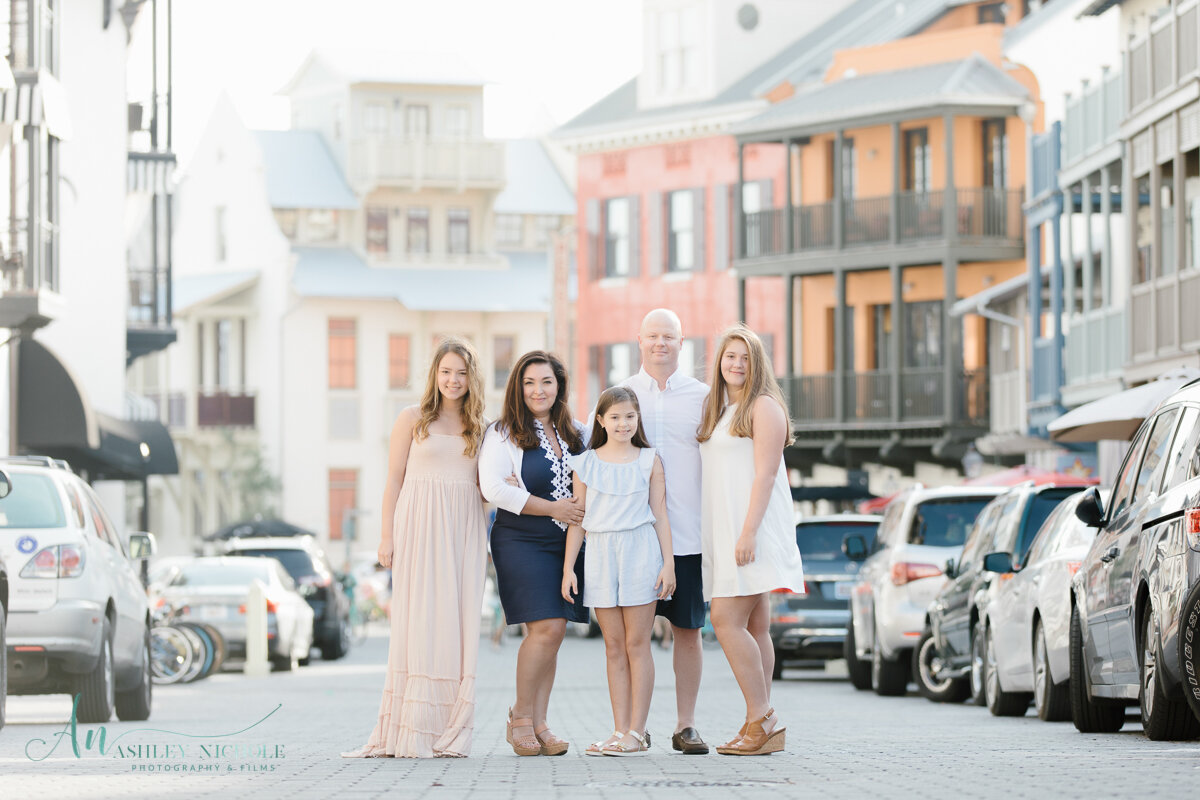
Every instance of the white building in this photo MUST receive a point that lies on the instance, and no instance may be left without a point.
(309, 297)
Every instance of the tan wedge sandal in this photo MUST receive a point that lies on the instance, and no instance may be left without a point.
(522, 745)
(551, 745)
(756, 741)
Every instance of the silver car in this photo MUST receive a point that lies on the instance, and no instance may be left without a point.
(78, 617)
(1028, 619)
(215, 590)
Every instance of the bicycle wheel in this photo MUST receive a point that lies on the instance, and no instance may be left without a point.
(171, 654)
(206, 651)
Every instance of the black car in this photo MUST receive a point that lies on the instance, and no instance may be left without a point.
(948, 662)
(812, 626)
(5, 488)
(317, 582)
(1135, 601)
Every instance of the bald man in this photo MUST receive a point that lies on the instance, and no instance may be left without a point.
(671, 404)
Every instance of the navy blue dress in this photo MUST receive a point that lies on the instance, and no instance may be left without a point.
(528, 551)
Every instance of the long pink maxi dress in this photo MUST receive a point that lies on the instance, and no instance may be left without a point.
(428, 706)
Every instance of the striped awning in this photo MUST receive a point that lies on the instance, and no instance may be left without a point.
(37, 99)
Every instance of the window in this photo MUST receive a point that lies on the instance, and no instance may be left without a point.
(458, 121)
(681, 244)
(979, 536)
(458, 231)
(104, 526)
(881, 319)
(693, 357)
(995, 153)
(991, 13)
(620, 360)
(221, 243)
(1183, 463)
(288, 221)
(916, 160)
(33, 503)
(616, 251)
(1144, 269)
(1154, 463)
(223, 331)
(1124, 485)
(504, 352)
(343, 499)
(375, 120)
(377, 230)
(416, 121)
(1166, 218)
(508, 229)
(418, 230)
(923, 334)
(342, 355)
(1039, 508)
(544, 227)
(399, 349)
(321, 226)
(678, 49)
(849, 169)
(945, 523)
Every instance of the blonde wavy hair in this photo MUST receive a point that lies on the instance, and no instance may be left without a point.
(472, 402)
(760, 380)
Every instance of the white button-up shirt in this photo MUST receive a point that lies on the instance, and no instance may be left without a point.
(671, 418)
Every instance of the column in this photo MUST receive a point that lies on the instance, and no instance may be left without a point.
(790, 222)
(741, 299)
(952, 341)
(1156, 270)
(1069, 287)
(896, 346)
(739, 233)
(894, 227)
(839, 231)
(1179, 170)
(839, 344)
(1056, 308)
(789, 322)
(950, 199)
(1106, 292)
(1089, 262)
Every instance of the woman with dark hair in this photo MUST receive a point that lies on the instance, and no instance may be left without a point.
(524, 470)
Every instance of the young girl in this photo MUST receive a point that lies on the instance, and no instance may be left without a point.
(628, 564)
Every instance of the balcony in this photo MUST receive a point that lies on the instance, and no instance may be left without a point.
(882, 398)
(426, 162)
(1092, 119)
(29, 277)
(1161, 320)
(1164, 58)
(979, 215)
(1008, 413)
(1045, 375)
(1095, 346)
(217, 409)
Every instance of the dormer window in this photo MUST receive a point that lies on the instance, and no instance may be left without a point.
(678, 49)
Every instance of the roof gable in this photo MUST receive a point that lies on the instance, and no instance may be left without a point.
(534, 184)
(301, 171)
(358, 65)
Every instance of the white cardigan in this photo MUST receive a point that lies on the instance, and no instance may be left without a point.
(500, 457)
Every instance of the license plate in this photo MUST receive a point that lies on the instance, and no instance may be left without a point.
(843, 589)
(212, 612)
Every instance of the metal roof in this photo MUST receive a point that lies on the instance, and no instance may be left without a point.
(301, 171)
(534, 184)
(189, 290)
(339, 272)
(972, 81)
(803, 62)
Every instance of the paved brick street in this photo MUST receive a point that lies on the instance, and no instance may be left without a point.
(840, 743)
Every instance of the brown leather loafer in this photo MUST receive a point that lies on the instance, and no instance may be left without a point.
(688, 742)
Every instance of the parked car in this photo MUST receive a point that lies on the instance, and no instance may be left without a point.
(1135, 602)
(1028, 617)
(812, 626)
(309, 567)
(78, 617)
(214, 589)
(948, 662)
(900, 575)
(5, 488)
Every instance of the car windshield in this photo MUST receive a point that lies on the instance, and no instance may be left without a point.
(220, 573)
(1040, 507)
(944, 522)
(34, 502)
(297, 562)
(822, 541)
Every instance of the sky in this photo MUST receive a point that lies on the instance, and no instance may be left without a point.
(544, 60)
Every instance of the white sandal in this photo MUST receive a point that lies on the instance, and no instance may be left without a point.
(597, 748)
(619, 749)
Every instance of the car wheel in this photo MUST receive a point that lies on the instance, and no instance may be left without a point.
(97, 689)
(859, 670)
(3, 666)
(890, 678)
(978, 695)
(134, 704)
(1088, 714)
(925, 667)
(1000, 702)
(1052, 700)
(1189, 649)
(339, 646)
(285, 663)
(1163, 718)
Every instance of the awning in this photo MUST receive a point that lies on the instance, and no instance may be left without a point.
(38, 99)
(1118, 416)
(54, 418)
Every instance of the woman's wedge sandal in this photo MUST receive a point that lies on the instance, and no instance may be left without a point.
(756, 741)
(522, 744)
(551, 745)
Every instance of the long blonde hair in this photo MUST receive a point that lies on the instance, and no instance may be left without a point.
(472, 402)
(760, 380)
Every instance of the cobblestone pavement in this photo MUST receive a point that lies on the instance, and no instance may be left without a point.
(840, 743)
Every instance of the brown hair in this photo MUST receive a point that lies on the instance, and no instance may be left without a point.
(760, 380)
(516, 421)
(472, 402)
(608, 399)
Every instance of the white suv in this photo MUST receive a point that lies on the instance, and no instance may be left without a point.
(78, 616)
(900, 576)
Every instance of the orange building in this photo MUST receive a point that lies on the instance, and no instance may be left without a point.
(903, 179)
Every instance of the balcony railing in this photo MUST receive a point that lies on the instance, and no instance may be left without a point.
(1008, 402)
(867, 397)
(1162, 320)
(217, 409)
(1092, 118)
(148, 292)
(1156, 65)
(1095, 346)
(1045, 378)
(981, 214)
(416, 162)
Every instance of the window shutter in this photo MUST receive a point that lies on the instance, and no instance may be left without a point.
(721, 227)
(635, 236)
(698, 228)
(595, 268)
(654, 221)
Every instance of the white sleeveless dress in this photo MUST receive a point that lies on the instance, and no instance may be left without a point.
(728, 475)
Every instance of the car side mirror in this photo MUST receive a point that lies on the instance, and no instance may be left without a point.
(950, 567)
(1090, 510)
(998, 562)
(855, 547)
(5, 484)
(142, 545)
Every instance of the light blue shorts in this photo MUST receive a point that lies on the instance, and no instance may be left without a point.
(621, 567)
